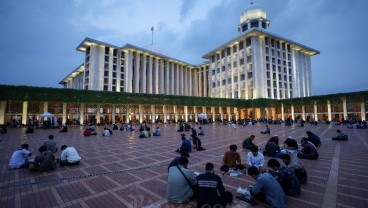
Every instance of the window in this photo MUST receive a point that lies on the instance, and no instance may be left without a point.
(86, 73)
(278, 45)
(228, 51)
(263, 25)
(114, 82)
(274, 68)
(105, 87)
(114, 67)
(274, 76)
(106, 80)
(122, 69)
(122, 54)
(223, 82)
(114, 74)
(114, 89)
(267, 58)
(245, 27)
(106, 73)
(272, 43)
(107, 50)
(283, 46)
(253, 24)
(242, 77)
(213, 85)
(87, 59)
(234, 49)
(213, 72)
(121, 83)
(121, 76)
(266, 41)
(228, 80)
(291, 86)
(268, 66)
(236, 79)
(267, 50)
(223, 68)
(248, 42)
(268, 83)
(115, 53)
(250, 75)
(268, 75)
(222, 53)
(88, 50)
(241, 61)
(86, 87)
(241, 45)
(106, 58)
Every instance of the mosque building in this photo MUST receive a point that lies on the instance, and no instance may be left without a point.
(255, 64)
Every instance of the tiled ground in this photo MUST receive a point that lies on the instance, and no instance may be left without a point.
(125, 171)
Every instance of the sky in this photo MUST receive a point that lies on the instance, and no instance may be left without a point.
(38, 38)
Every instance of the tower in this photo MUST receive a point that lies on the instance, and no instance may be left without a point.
(253, 16)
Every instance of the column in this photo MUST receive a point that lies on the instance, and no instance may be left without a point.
(128, 71)
(165, 113)
(200, 82)
(176, 113)
(162, 77)
(236, 114)
(64, 113)
(153, 113)
(177, 81)
(81, 119)
(345, 110)
(150, 74)
(155, 86)
(205, 81)
(172, 80)
(292, 112)
(167, 78)
(315, 111)
(329, 110)
(195, 114)
(140, 108)
(136, 75)
(127, 114)
(186, 113)
(113, 113)
(190, 84)
(228, 113)
(303, 112)
(362, 111)
(98, 113)
(186, 84)
(25, 111)
(46, 107)
(213, 114)
(282, 112)
(181, 80)
(221, 113)
(144, 75)
(2, 112)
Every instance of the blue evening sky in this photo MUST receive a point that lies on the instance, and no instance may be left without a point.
(39, 37)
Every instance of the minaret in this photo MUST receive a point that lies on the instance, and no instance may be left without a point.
(254, 16)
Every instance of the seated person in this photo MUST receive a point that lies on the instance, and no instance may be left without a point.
(51, 144)
(29, 130)
(186, 146)
(201, 131)
(114, 127)
(341, 135)
(272, 149)
(266, 189)
(19, 158)
(106, 132)
(296, 167)
(69, 156)
(130, 127)
(197, 143)
(144, 134)
(290, 143)
(122, 127)
(267, 130)
(309, 151)
(286, 178)
(194, 133)
(255, 158)
(178, 188)
(209, 185)
(231, 159)
(187, 127)
(275, 139)
(87, 132)
(92, 127)
(181, 128)
(313, 138)
(248, 142)
(175, 161)
(157, 132)
(45, 161)
(147, 128)
(65, 129)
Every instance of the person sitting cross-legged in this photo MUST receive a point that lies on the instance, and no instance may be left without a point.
(19, 158)
(69, 156)
(341, 136)
(267, 130)
(309, 151)
(197, 143)
(201, 131)
(175, 161)
(51, 144)
(266, 189)
(231, 159)
(45, 161)
(286, 177)
(255, 158)
(157, 132)
(312, 137)
(248, 142)
(209, 185)
(179, 187)
(295, 166)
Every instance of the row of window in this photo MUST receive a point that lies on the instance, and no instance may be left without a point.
(277, 44)
(227, 52)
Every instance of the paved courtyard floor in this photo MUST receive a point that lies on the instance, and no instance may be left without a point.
(125, 171)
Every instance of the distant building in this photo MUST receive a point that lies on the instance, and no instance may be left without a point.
(255, 64)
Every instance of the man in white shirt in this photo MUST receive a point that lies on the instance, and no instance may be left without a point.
(69, 156)
(255, 158)
(18, 159)
(106, 132)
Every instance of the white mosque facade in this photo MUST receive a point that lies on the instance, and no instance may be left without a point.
(255, 64)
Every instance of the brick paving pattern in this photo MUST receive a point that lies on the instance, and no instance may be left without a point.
(125, 171)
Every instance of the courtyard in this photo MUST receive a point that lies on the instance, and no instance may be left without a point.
(125, 171)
